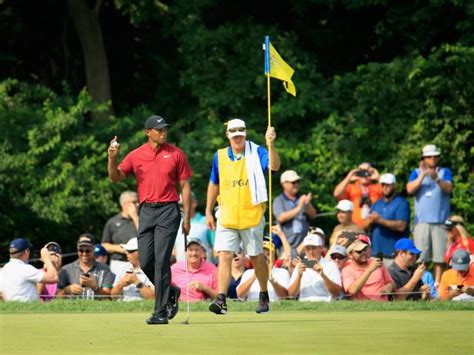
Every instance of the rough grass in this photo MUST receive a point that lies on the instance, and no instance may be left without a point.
(70, 306)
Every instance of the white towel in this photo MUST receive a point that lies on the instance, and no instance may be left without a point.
(257, 184)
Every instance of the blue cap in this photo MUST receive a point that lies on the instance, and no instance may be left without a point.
(99, 250)
(408, 245)
(19, 245)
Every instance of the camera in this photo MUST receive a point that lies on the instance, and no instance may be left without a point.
(362, 173)
(379, 256)
(309, 263)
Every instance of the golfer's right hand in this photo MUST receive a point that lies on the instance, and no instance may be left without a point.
(114, 148)
(211, 223)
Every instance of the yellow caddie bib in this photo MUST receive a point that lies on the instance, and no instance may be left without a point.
(235, 202)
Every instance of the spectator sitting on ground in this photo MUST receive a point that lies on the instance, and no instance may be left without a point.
(202, 274)
(119, 229)
(361, 188)
(458, 237)
(237, 271)
(133, 284)
(293, 210)
(314, 278)
(47, 292)
(432, 186)
(344, 210)
(364, 278)
(100, 254)
(18, 279)
(457, 284)
(198, 230)
(85, 277)
(406, 275)
(249, 288)
(389, 219)
(338, 255)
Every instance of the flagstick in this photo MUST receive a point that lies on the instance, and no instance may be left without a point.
(270, 222)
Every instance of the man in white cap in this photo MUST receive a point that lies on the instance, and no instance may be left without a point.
(344, 210)
(293, 210)
(432, 186)
(315, 278)
(238, 178)
(133, 284)
(389, 219)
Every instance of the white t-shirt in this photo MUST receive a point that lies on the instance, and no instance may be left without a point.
(279, 274)
(18, 281)
(312, 286)
(131, 292)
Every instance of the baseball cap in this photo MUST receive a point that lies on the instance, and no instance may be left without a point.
(453, 221)
(430, 150)
(131, 245)
(269, 245)
(357, 245)
(408, 245)
(18, 245)
(364, 238)
(99, 250)
(156, 122)
(460, 260)
(388, 179)
(53, 248)
(312, 239)
(289, 176)
(195, 241)
(85, 239)
(338, 249)
(345, 206)
(234, 124)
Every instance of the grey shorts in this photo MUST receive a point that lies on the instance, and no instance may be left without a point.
(251, 239)
(431, 240)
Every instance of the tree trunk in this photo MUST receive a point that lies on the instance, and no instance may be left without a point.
(86, 22)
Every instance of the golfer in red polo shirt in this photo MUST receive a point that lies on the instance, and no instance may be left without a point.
(158, 168)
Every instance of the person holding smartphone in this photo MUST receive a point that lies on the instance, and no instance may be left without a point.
(314, 278)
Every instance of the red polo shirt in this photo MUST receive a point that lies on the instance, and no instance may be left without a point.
(157, 172)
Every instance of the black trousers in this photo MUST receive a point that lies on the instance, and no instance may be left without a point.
(157, 231)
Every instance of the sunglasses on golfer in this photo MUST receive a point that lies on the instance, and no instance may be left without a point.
(238, 129)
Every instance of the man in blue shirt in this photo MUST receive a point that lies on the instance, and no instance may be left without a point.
(389, 219)
(293, 210)
(432, 186)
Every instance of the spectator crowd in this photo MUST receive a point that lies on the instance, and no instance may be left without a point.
(375, 251)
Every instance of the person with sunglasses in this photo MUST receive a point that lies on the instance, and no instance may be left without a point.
(365, 278)
(85, 278)
(338, 255)
(406, 275)
(431, 186)
(292, 210)
(238, 178)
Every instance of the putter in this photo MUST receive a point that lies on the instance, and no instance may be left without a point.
(187, 278)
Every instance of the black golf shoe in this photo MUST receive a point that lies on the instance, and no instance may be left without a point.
(154, 319)
(219, 306)
(263, 303)
(172, 307)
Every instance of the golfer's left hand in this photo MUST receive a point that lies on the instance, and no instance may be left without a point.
(270, 136)
(186, 226)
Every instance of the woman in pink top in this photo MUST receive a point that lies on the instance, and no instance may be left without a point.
(47, 292)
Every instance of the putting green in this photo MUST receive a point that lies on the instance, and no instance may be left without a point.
(241, 332)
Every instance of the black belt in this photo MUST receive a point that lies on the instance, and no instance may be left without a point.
(155, 204)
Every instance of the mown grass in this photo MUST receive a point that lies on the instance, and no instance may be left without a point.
(71, 306)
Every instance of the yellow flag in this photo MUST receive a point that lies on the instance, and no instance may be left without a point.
(279, 69)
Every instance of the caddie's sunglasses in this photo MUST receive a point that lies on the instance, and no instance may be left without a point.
(238, 129)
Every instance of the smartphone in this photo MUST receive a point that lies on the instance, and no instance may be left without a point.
(379, 256)
(309, 263)
(86, 274)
